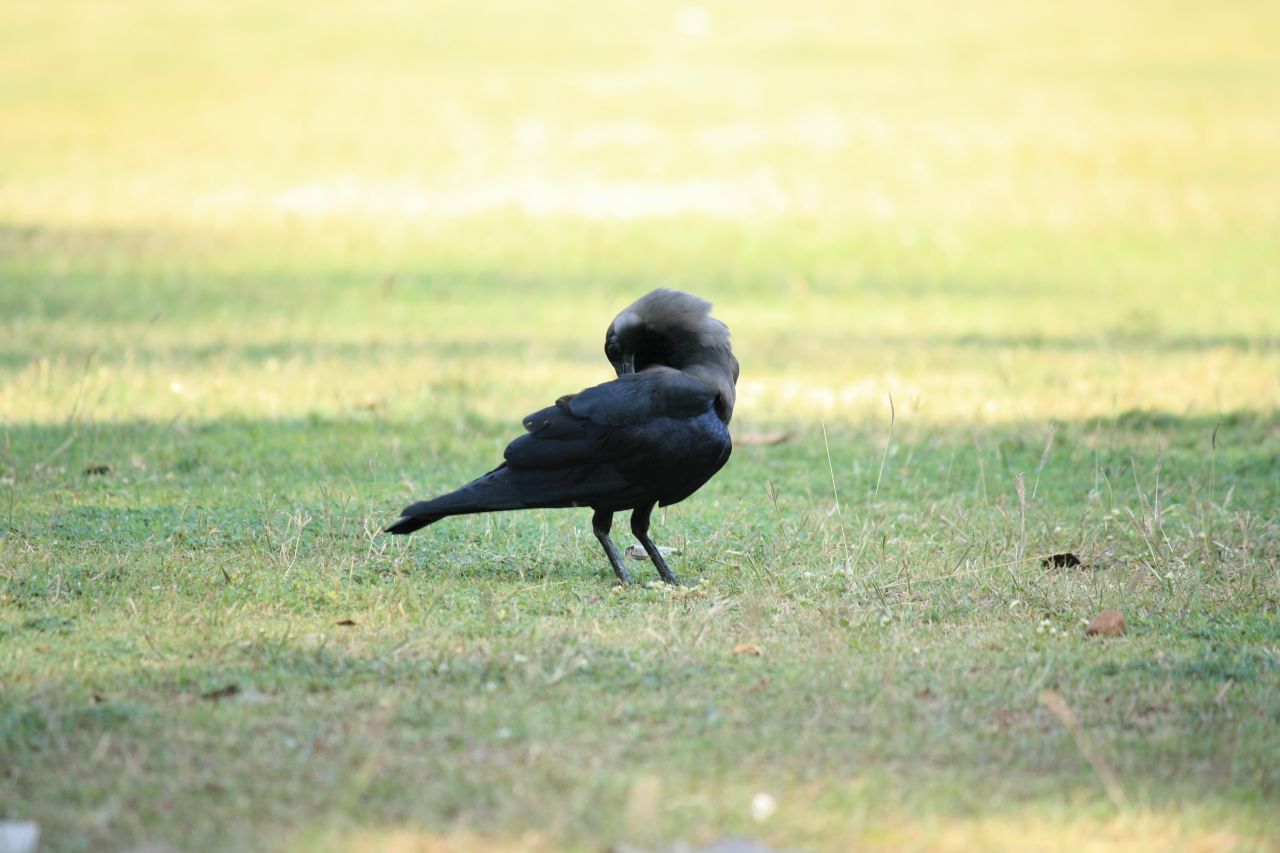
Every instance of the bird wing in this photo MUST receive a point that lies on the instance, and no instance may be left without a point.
(576, 428)
(611, 442)
(636, 398)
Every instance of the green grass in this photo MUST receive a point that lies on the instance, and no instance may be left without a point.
(267, 273)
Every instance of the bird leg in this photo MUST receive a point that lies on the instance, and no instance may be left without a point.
(600, 524)
(640, 527)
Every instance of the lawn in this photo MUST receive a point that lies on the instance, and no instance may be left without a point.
(1004, 277)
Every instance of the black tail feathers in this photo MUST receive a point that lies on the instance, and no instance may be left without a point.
(410, 523)
(490, 493)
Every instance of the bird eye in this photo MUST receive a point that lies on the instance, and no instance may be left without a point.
(612, 351)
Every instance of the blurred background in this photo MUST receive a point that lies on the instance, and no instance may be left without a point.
(998, 210)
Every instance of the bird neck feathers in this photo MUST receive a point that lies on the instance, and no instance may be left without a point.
(721, 380)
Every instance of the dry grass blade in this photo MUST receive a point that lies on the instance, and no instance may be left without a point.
(1054, 702)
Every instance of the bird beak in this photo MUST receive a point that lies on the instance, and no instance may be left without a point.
(626, 365)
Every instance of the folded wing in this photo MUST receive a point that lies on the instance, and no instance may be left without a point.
(617, 444)
(645, 437)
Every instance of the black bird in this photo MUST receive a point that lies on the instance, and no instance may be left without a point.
(650, 437)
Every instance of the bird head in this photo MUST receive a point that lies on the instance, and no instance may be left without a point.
(670, 328)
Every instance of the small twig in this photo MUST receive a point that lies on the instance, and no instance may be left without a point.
(152, 646)
(1151, 549)
(80, 386)
(1044, 457)
(844, 540)
(1210, 551)
(888, 442)
(982, 468)
(1157, 519)
(1051, 700)
(1020, 484)
(62, 448)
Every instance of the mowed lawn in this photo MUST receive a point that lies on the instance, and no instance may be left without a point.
(1004, 280)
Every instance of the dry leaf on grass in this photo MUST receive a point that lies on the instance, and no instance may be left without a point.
(1108, 623)
(635, 552)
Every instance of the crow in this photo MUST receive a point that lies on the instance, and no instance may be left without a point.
(652, 436)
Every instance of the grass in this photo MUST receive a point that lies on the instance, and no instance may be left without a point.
(267, 273)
